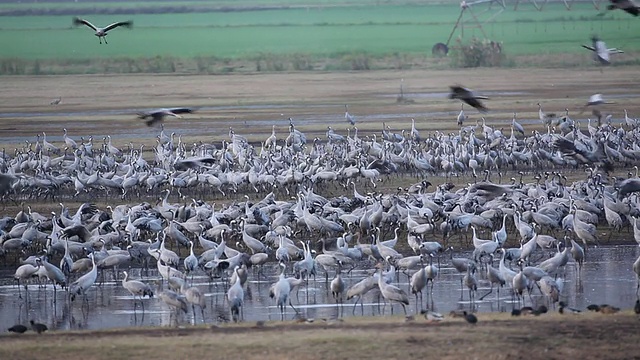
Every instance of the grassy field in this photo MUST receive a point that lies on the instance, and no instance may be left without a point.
(292, 29)
(496, 336)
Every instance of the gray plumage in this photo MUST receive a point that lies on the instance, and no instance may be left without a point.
(628, 186)
(468, 96)
(155, 116)
(174, 300)
(601, 53)
(235, 296)
(392, 293)
(101, 33)
(136, 288)
(7, 183)
(80, 286)
(625, 5)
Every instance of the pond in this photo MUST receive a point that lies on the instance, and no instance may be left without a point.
(606, 277)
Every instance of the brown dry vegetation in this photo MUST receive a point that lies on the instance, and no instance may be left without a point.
(496, 336)
(299, 95)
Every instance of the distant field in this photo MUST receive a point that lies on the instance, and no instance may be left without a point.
(292, 28)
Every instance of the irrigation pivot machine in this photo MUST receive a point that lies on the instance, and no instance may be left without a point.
(475, 14)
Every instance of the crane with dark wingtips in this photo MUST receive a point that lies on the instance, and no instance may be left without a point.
(466, 95)
(601, 53)
(155, 116)
(101, 33)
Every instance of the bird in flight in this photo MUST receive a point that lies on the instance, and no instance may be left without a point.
(154, 116)
(101, 33)
(595, 101)
(624, 5)
(602, 54)
(466, 95)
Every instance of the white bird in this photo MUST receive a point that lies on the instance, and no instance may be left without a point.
(392, 293)
(69, 141)
(80, 286)
(350, 118)
(418, 282)
(337, 286)
(495, 277)
(194, 296)
(520, 283)
(595, 100)
(471, 283)
(577, 252)
(235, 295)
(461, 116)
(191, 261)
(359, 289)
(174, 300)
(516, 125)
(136, 289)
(601, 53)
(549, 287)
(26, 272)
(546, 119)
(280, 292)
(101, 33)
(66, 263)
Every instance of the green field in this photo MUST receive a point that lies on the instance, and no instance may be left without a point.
(316, 31)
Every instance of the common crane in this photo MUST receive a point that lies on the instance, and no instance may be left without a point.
(101, 33)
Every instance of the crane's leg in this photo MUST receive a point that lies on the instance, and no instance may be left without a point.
(306, 285)
(294, 309)
(105, 41)
(490, 291)
(353, 312)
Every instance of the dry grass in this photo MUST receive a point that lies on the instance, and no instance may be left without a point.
(313, 100)
(496, 336)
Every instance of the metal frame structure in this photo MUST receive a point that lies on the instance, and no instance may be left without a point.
(476, 20)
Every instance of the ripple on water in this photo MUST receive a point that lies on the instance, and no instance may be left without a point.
(606, 278)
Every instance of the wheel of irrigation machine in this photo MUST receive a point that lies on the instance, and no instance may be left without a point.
(440, 50)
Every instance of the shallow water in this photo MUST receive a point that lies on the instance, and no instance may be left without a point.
(606, 278)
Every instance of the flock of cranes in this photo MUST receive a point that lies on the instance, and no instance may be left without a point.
(297, 223)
